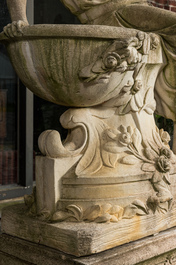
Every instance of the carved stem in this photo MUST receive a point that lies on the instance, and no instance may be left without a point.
(140, 156)
(174, 139)
(17, 10)
(137, 121)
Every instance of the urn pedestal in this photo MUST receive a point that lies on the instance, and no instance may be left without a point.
(112, 180)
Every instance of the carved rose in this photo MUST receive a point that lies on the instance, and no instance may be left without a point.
(134, 56)
(120, 56)
(166, 152)
(141, 35)
(163, 164)
(111, 60)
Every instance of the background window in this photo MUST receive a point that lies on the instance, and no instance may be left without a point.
(8, 111)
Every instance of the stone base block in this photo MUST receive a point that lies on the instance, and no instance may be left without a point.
(154, 250)
(81, 239)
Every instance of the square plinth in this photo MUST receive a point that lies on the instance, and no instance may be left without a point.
(81, 239)
(159, 249)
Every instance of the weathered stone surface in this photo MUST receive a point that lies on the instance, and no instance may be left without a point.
(113, 178)
(158, 250)
(81, 239)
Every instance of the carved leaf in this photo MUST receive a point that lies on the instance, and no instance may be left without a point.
(140, 212)
(92, 213)
(129, 160)
(171, 203)
(97, 67)
(163, 207)
(153, 146)
(112, 147)
(136, 138)
(103, 218)
(122, 110)
(130, 130)
(149, 110)
(106, 207)
(117, 211)
(148, 96)
(123, 129)
(157, 139)
(157, 177)
(122, 100)
(150, 104)
(138, 100)
(167, 178)
(150, 154)
(126, 88)
(60, 216)
(142, 208)
(86, 71)
(114, 219)
(109, 159)
(76, 211)
(91, 162)
(152, 203)
(147, 167)
(44, 214)
(129, 211)
(112, 134)
(133, 105)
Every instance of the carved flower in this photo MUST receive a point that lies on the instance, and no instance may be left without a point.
(141, 35)
(163, 164)
(121, 56)
(134, 56)
(125, 138)
(111, 60)
(164, 151)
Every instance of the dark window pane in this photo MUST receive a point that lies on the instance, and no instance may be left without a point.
(8, 111)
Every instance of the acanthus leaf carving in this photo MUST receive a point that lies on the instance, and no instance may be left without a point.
(60, 216)
(76, 211)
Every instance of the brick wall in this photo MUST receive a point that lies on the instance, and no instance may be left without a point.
(165, 4)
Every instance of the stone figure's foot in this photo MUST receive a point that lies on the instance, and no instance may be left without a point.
(15, 28)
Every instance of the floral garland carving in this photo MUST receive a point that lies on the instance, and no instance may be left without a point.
(156, 158)
(100, 213)
(122, 55)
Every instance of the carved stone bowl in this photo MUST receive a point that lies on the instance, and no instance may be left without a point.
(54, 62)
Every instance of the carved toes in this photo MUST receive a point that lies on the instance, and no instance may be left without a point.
(15, 28)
